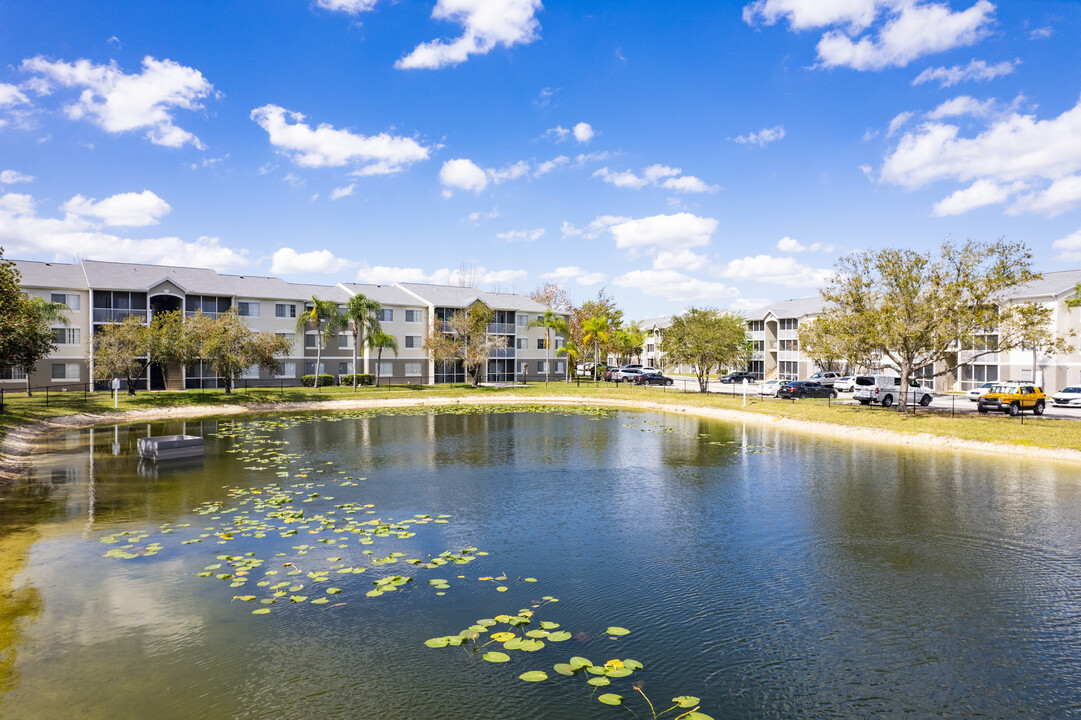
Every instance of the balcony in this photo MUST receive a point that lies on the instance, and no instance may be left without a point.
(503, 352)
(500, 328)
(443, 325)
(193, 313)
(788, 334)
(115, 315)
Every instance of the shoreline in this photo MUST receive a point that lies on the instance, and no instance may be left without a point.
(18, 446)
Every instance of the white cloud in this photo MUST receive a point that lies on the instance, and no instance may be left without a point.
(326, 146)
(675, 286)
(688, 183)
(511, 172)
(669, 232)
(907, 29)
(119, 103)
(463, 174)
(24, 233)
(352, 7)
(288, 261)
(592, 279)
(583, 132)
(961, 106)
(1013, 149)
(787, 244)
(486, 24)
(626, 179)
(557, 134)
(549, 165)
(1062, 195)
(521, 235)
(125, 209)
(976, 70)
(898, 122)
(916, 30)
(979, 194)
(777, 270)
(10, 177)
(385, 275)
(1069, 247)
(573, 272)
(762, 137)
(1041, 33)
(339, 193)
(679, 259)
(477, 216)
(656, 173)
(11, 95)
(595, 228)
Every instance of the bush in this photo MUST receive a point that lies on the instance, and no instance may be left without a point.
(324, 380)
(362, 379)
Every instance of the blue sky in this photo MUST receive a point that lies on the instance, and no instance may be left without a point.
(673, 153)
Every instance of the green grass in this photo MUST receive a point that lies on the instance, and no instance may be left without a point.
(1037, 432)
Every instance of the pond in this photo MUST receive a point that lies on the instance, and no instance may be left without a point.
(471, 564)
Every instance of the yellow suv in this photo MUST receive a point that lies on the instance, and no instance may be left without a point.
(1013, 398)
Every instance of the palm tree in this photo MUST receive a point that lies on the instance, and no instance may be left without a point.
(324, 318)
(550, 321)
(361, 317)
(572, 352)
(596, 328)
(379, 340)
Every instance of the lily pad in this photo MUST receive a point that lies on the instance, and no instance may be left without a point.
(260, 611)
(686, 701)
(617, 631)
(611, 699)
(533, 676)
(580, 662)
(496, 657)
(599, 681)
(564, 669)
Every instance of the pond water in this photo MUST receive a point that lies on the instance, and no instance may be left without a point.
(767, 575)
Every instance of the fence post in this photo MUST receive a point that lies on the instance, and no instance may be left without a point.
(1, 399)
(47, 400)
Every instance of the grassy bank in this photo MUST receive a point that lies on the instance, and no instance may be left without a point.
(1036, 432)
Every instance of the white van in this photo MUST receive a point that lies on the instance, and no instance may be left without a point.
(886, 389)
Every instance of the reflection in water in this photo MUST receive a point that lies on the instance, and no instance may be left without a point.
(772, 575)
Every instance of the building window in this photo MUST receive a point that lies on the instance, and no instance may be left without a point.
(66, 336)
(558, 367)
(12, 373)
(385, 315)
(757, 325)
(540, 343)
(250, 373)
(310, 340)
(345, 341)
(560, 342)
(788, 370)
(412, 316)
(344, 368)
(412, 369)
(386, 368)
(523, 320)
(413, 341)
(291, 337)
(66, 371)
(540, 367)
(248, 309)
(523, 368)
(522, 343)
(309, 368)
(289, 370)
(788, 324)
(285, 310)
(69, 299)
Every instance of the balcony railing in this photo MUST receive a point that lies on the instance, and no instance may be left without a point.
(503, 352)
(115, 315)
(443, 325)
(500, 328)
(193, 313)
(787, 334)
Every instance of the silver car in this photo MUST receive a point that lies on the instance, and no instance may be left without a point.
(770, 387)
(1068, 397)
(976, 393)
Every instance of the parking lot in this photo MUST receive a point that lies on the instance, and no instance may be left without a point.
(943, 402)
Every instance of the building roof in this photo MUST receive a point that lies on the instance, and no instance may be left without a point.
(56, 276)
(659, 323)
(383, 294)
(1053, 284)
(797, 308)
(459, 297)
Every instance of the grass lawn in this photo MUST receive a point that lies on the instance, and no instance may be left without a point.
(1038, 432)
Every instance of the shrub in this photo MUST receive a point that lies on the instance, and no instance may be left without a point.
(324, 380)
(362, 379)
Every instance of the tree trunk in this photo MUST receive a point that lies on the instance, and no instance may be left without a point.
(547, 357)
(1034, 366)
(378, 362)
(356, 344)
(228, 386)
(902, 403)
(26, 373)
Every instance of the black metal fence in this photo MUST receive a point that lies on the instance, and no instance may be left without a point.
(55, 393)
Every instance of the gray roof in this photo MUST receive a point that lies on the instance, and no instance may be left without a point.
(660, 323)
(56, 276)
(459, 297)
(383, 294)
(1053, 284)
(797, 308)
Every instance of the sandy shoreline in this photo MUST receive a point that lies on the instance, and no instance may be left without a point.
(19, 445)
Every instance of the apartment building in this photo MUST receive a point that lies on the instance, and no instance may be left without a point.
(98, 293)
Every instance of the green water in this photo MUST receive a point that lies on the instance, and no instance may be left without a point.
(770, 575)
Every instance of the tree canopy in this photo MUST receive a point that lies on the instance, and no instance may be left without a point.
(466, 339)
(707, 338)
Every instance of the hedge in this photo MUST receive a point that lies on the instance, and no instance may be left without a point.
(324, 380)
(362, 379)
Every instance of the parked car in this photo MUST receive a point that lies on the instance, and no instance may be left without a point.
(886, 389)
(976, 393)
(825, 378)
(738, 377)
(845, 384)
(770, 387)
(805, 389)
(652, 378)
(625, 373)
(1013, 398)
(1068, 397)
(611, 373)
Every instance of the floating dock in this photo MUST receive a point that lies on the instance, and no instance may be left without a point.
(171, 447)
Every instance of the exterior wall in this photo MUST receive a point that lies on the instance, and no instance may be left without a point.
(71, 356)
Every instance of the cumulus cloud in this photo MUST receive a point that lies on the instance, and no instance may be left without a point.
(10, 177)
(675, 286)
(511, 172)
(288, 261)
(11, 95)
(658, 175)
(118, 103)
(1069, 247)
(521, 235)
(573, 272)
(123, 210)
(979, 194)
(777, 270)
(964, 105)
(902, 31)
(23, 232)
(787, 244)
(762, 138)
(626, 179)
(353, 7)
(583, 132)
(386, 275)
(485, 24)
(976, 71)
(549, 165)
(462, 174)
(595, 228)
(339, 193)
(668, 232)
(899, 121)
(326, 146)
(1043, 155)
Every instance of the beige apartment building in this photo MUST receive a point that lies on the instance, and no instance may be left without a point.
(98, 293)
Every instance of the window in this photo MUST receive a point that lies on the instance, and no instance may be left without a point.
(247, 309)
(66, 371)
(289, 370)
(757, 325)
(345, 368)
(66, 336)
(540, 343)
(285, 310)
(788, 324)
(385, 315)
(540, 367)
(412, 369)
(345, 341)
(386, 368)
(523, 368)
(523, 320)
(412, 341)
(69, 299)
(559, 367)
(250, 373)
(522, 343)
(309, 368)
(649, 347)
(291, 337)
(12, 373)
(412, 316)
(559, 342)
(540, 318)
(310, 340)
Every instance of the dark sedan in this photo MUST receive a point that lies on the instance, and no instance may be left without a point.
(738, 377)
(805, 389)
(652, 379)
